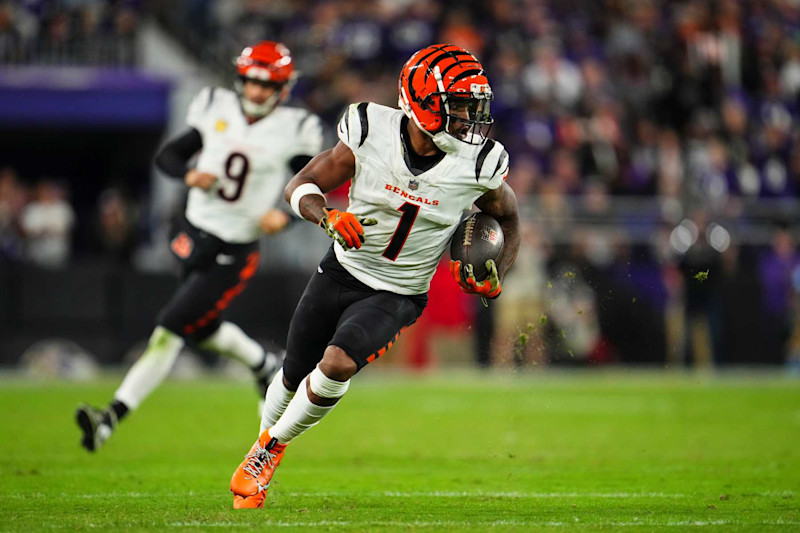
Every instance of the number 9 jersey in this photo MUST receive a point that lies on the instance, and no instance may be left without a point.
(417, 213)
(250, 161)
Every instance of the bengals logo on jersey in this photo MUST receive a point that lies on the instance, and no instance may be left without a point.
(182, 245)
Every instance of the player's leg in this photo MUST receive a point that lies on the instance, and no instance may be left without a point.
(313, 324)
(311, 328)
(193, 312)
(230, 341)
(145, 375)
(365, 331)
(209, 295)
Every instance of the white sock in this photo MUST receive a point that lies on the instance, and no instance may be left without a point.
(151, 368)
(229, 340)
(301, 414)
(275, 403)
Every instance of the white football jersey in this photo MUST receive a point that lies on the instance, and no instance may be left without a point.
(251, 162)
(417, 215)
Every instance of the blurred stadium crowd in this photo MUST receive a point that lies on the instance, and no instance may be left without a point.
(89, 32)
(652, 142)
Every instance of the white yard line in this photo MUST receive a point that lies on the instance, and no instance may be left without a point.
(438, 524)
(531, 495)
(412, 494)
(468, 525)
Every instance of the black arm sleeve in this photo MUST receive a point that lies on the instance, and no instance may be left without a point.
(298, 162)
(172, 158)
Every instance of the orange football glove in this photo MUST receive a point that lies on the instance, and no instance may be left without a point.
(488, 288)
(345, 228)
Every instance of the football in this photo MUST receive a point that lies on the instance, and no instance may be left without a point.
(477, 239)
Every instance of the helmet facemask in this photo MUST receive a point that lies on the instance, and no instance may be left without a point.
(256, 110)
(467, 118)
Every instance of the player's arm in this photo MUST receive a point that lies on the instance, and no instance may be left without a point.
(305, 192)
(174, 157)
(501, 204)
(324, 173)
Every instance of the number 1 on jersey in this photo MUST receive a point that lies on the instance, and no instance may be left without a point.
(409, 211)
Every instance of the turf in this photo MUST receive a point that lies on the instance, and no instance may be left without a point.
(462, 452)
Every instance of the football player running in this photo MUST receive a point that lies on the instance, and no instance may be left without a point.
(248, 146)
(414, 172)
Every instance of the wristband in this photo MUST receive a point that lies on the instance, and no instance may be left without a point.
(303, 190)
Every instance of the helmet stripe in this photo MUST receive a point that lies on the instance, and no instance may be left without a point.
(466, 74)
(449, 55)
(448, 67)
(412, 93)
(429, 54)
(454, 55)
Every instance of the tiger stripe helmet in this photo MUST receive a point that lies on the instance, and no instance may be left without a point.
(434, 81)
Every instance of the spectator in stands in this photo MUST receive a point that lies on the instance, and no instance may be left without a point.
(47, 223)
(459, 30)
(9, 35)
(116, 226)
(519, 335)
(701, 267)
(790, 72)
(68, 33)
(12, 200)
(777, 268)
(552, 78)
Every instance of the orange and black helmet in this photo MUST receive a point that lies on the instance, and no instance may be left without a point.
(440, 77)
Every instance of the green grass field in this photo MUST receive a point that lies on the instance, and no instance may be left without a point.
(467, 452)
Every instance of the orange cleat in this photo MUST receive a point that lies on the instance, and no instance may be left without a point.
(250, 502)
(251, 479)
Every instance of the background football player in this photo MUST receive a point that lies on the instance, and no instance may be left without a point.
(414, 172)
(248, 146)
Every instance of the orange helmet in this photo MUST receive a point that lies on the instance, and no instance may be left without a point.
(267, 61)
(439, 78)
